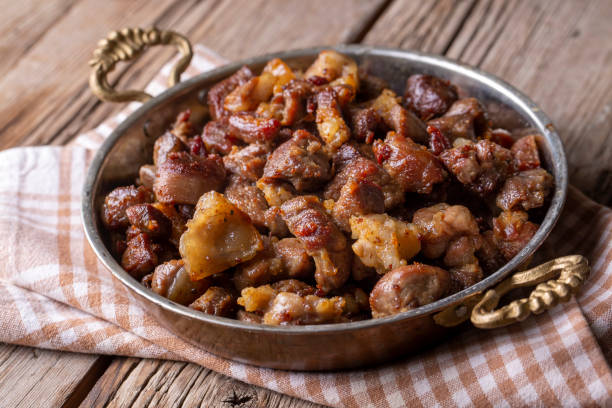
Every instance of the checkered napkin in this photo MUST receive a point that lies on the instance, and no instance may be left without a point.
(55, 294)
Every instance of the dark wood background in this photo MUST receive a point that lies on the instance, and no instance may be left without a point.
(557, 52)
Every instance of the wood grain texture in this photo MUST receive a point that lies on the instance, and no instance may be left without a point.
(34, 377)
(558, 53)
(153, 383)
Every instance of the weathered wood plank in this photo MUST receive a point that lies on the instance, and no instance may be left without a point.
(558, 53)
(23, 23)
(426, 26)
(153, 383)
(43, 378)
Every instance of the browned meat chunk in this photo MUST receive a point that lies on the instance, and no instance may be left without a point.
(182, 127)
(301, 161)
(352, 166)
(357, 198)
(251, 129)
(402, 121)
(252, 201)
(330, 123)
(183, 178)
(177, 220)
(364, 123)
(257, 90)
(215, 301)
(408, 287)
(172, 281)
(216, 94)
(525, 152)
(146, 175)
(481, 167)
(429, 96)
(451, 231)
(149, 219)
(276, 192)
(339, 71)
(247, 162)
(164, 145)
(410, 164)
(291, 303)
(217, 137)
(525, 190)
(118, 201)
(288, 105)
(140, 256)
(308, 221)
(512, 232)
(465, 119)
(284, 259)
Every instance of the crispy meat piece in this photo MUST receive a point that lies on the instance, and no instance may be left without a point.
(172, 281)
(525, 153)
(217, 137)
(275, 191)
(451, 231)
(218, 237)
(364, 123)
(512, 231)
(330, 123)
(164, 145)
(384, 242)
(248, 96)
(249, 199)
(215, 301)
(402, 121)
(119, 200)
(290, 303)
(149, 219)
(177, 219)
(429, 96)
(525, 190)
(466, 119)
(247, 162)
(357, 198)
(216, 95)
(251, 129)
(408, 287)
(408, 163)
(140, 256)
(308, 221)
(351, 165)
(182, 127)
(284, 259)
(301, 161)
(339, 71)
(481, 167)
(146, 175)
(182, 178)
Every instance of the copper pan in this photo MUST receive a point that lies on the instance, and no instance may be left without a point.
(331, 346)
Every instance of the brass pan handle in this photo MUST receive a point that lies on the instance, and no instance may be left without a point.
(570, 273)
(128, 44)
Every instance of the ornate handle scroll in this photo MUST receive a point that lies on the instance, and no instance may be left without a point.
(128, 44)
(571, 270)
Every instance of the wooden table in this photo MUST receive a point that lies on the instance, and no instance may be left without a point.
(557, 52)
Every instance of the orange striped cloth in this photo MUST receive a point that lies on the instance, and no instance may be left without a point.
(55, 294)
